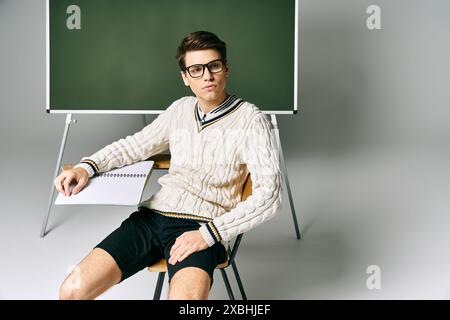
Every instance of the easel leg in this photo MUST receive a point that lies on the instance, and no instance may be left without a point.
(285, 174)
(57, 170)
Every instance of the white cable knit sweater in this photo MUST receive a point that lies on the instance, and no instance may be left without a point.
(209, 163)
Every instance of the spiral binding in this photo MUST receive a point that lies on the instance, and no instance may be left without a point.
(122, 175)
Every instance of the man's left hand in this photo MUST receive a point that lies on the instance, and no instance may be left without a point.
(185, 245)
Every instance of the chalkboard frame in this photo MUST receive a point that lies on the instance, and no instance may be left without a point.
(127, 111)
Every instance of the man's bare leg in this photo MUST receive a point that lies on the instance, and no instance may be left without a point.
(94, 275)
(189, 284)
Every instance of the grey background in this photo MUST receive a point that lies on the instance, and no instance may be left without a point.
(367, 157)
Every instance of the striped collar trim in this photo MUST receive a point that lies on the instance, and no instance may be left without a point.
(224, 104)
(231, 104)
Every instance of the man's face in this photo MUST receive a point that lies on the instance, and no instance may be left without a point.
(209, 88)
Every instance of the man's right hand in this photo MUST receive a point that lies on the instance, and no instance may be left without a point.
(75, 175)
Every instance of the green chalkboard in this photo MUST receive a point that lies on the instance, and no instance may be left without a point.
(118, 56)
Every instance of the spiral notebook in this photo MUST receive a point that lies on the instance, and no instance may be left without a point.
(121, 186)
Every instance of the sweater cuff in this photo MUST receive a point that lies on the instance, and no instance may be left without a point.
(210, 233)
(89, 166)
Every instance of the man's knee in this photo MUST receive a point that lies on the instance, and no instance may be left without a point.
(71, 289)
(187, 295)
(189, 284)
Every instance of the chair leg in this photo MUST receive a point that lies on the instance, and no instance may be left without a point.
(227, 284)
(238, 279)
(159, 285)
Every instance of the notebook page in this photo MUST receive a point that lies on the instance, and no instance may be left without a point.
(120, 186)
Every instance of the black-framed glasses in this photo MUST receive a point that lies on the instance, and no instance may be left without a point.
(197, 70)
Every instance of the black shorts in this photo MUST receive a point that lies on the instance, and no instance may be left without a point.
(146, 237)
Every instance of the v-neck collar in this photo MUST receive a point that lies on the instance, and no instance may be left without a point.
(230, 104)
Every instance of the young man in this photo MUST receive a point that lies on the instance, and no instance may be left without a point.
(215, 140)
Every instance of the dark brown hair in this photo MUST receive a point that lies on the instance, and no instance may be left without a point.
(200, 40)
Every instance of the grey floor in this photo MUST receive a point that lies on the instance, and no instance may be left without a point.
(371, 207)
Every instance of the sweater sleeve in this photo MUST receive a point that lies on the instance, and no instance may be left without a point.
(151, 140)
(260, 154)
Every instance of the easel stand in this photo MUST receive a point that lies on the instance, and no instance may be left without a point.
(69, 121)
(276, 132)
